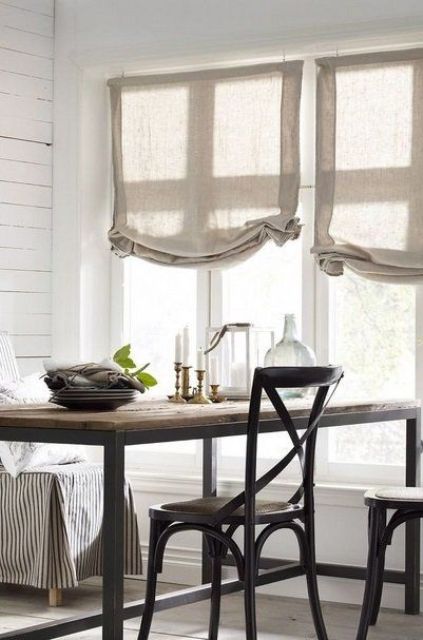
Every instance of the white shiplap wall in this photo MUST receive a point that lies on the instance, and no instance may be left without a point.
(26, 129)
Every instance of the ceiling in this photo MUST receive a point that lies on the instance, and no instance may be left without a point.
(125, 30)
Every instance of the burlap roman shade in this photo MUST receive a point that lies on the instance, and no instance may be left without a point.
(369, 182)
(206, 164)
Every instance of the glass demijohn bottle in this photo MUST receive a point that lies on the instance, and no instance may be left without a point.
(290, 352)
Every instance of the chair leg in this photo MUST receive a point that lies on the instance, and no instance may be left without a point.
(156, 527)
(250, 571)
(216, 585)
(308, 554)
(380, 571)
(313, 590)
(370, 590)
(315, 606)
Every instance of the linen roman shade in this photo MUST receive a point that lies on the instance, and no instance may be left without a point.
(206, 164)
(369, 178)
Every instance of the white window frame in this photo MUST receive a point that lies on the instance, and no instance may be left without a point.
(315, 329)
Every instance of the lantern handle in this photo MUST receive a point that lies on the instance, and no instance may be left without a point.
(221, 332)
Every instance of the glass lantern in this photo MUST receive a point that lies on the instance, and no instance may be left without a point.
(234, 351)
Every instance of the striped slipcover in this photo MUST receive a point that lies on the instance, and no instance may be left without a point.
(9, 371)
(50, 526)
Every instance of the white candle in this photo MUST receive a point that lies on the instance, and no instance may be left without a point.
(214, 374)
(185, 346)
(200, 360)
(178, 348)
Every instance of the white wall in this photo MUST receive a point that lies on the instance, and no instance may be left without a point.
(26, 136)
(96, 39)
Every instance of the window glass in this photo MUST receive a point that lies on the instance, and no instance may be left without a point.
(261, 290)
(265, 287)
(159, 302)
(373, 333)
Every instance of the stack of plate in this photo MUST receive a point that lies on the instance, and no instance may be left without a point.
(93, 398)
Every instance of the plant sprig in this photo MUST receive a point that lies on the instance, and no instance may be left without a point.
(122, 357)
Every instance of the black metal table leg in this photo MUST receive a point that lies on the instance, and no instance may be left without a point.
(412, 531)
(113, 537)
(209, 489)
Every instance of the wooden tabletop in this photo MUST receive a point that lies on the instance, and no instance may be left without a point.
(153, 414)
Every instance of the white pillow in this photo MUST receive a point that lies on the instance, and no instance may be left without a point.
(24, 456)
(28, 390)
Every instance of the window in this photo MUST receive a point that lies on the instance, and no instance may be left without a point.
(272, 279)
(261, 290)
(157, 301)
(373, 334)
(349, 320)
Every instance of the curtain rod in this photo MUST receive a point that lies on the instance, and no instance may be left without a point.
(189, 63)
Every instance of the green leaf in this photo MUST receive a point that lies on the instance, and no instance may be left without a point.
(122, 353)
(123, 359)
(126, 363)
(147, 379)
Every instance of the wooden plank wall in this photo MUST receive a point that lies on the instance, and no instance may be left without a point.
(26, 130)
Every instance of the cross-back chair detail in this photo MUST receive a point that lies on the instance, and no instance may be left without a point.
(298, 442)
(211, 515)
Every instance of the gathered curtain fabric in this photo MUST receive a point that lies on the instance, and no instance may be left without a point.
(206, 164)
(369, 165)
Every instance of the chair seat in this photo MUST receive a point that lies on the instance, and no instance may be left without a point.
(396, 497)
(205, 508)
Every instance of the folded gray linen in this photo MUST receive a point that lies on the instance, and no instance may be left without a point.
(103, 375)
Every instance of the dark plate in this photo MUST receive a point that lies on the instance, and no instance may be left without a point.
(83, 391)
(94, 396)
(97, 403)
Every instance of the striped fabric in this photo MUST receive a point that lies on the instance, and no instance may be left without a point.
(9, 371)
(50, 526)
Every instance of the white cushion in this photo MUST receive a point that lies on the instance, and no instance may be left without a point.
(28, 390)
(26, 456)
(399, 493)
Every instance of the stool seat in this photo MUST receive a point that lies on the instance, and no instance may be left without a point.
(394, 497)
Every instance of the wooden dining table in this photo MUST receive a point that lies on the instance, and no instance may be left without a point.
(157, 421)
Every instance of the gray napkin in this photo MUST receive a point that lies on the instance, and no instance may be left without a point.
(103, 375)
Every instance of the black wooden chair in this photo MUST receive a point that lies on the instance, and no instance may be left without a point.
(407, 503)
(210, 515)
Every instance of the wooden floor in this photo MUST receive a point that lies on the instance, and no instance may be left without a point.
(279, 619)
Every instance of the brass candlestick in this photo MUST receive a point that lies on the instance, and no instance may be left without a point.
(185, 383)
(199, 397)
(214, 393)
(177, 398)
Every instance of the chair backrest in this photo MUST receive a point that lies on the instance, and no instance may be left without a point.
(9, 371)
(269, 380)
